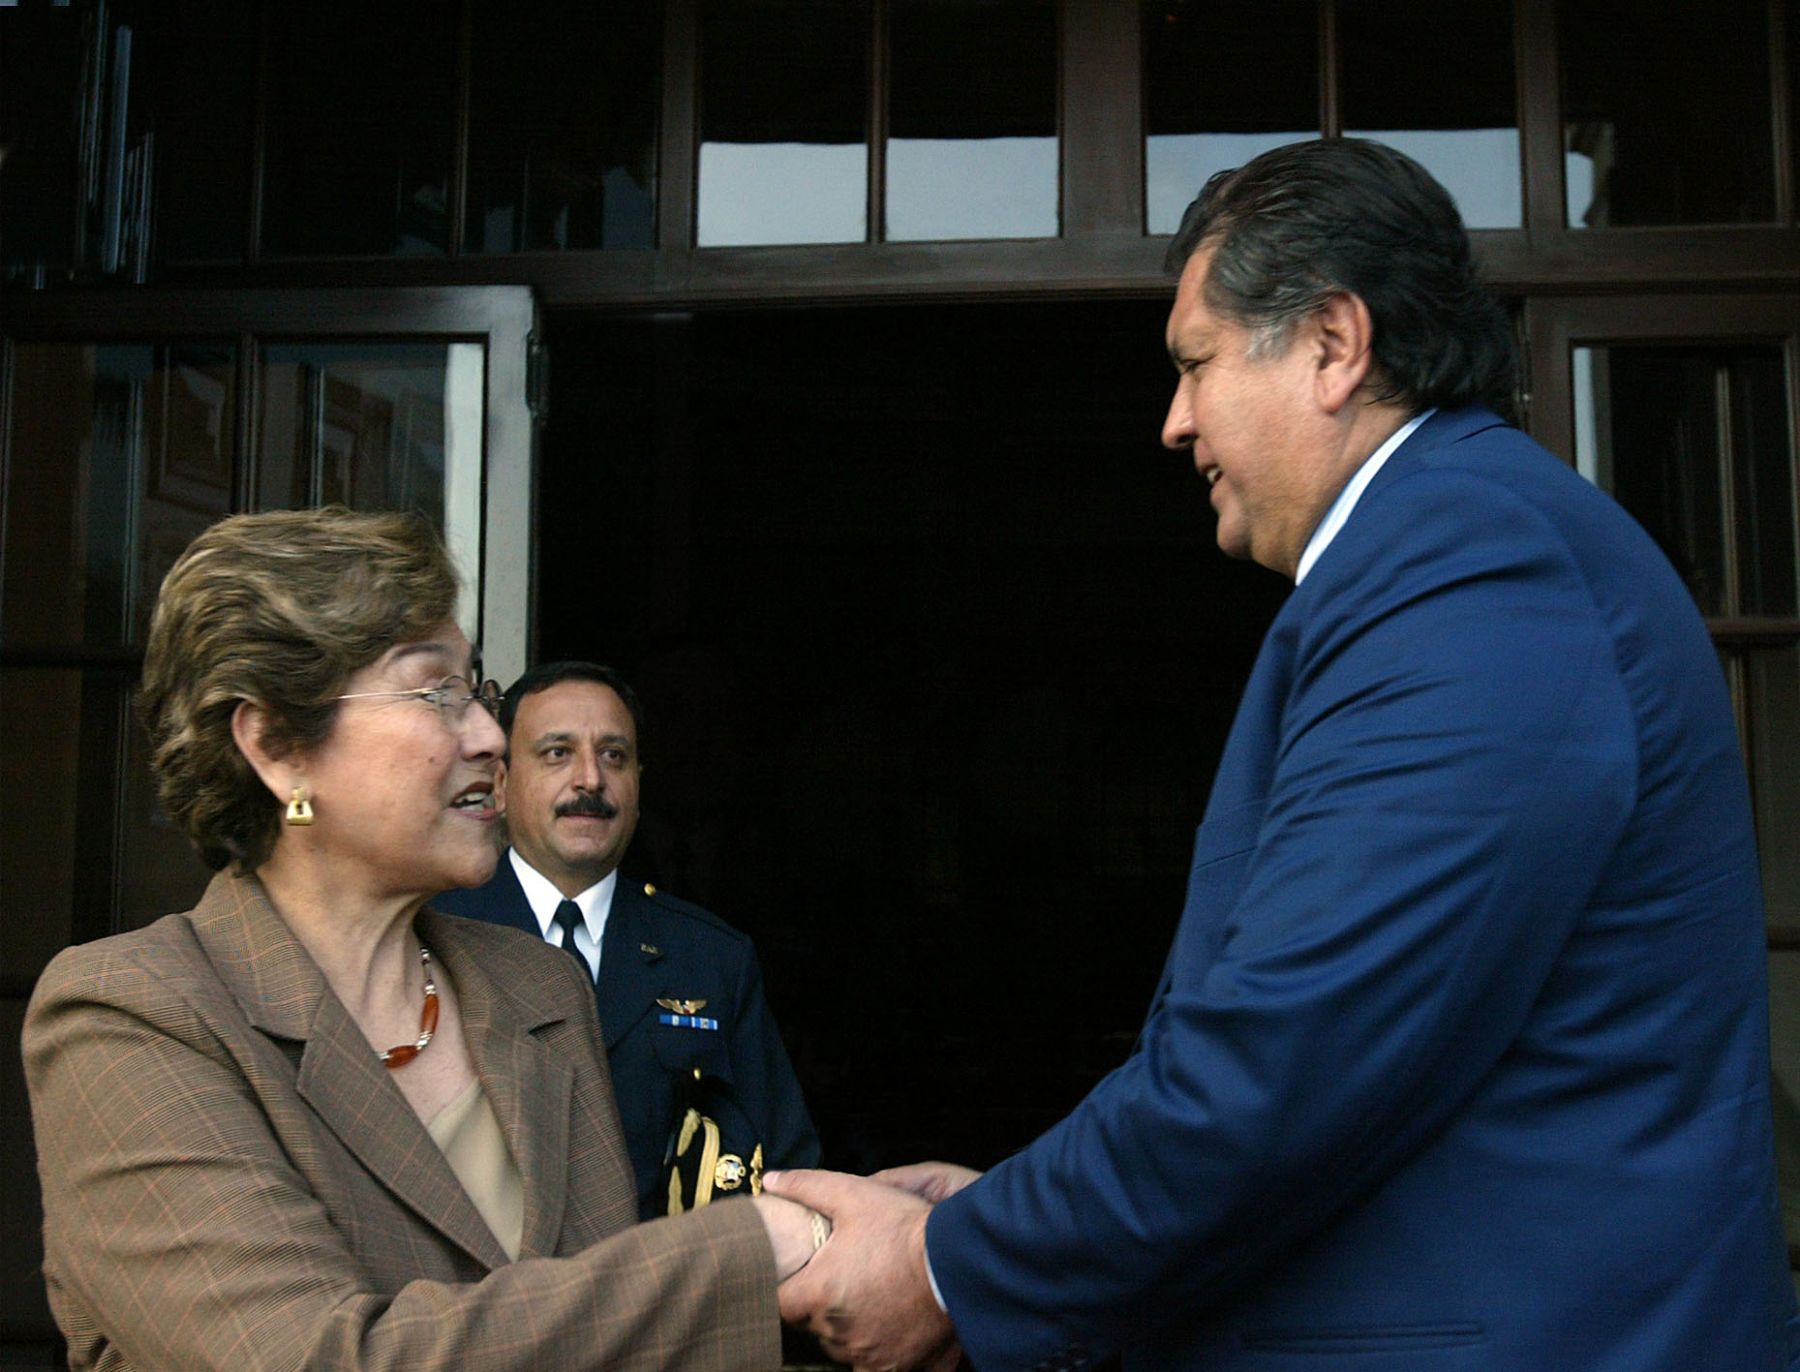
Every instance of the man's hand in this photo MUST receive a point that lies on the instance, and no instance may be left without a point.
(865, 1293)
(932, 1181)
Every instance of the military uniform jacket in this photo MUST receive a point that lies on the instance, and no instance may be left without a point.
(232, 1180)
(656, 948)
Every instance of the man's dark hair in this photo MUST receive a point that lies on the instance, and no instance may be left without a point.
(548, 674)
(1306, 221)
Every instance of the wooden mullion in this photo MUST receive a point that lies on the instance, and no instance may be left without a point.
(1725, 441)
(457, 211)
(1331, 92)
(1781, 114)
(8, 365)
(1100, 117)
(1790, 366)
(875, 122)
(246, 469)
(677, 133)
(259, 137)
(1541, 122)
(1753, 631)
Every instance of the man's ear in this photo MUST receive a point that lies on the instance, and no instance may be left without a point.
(500, 786)
(250, 731)
(1345, 340)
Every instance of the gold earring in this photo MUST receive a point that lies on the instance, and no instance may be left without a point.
(299, 809)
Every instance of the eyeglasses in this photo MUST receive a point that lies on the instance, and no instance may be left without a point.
(452, 696)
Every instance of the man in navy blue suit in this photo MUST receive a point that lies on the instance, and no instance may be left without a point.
(680, 992)
(1459, 1059)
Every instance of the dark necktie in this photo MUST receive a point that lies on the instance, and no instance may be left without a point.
(568, 915)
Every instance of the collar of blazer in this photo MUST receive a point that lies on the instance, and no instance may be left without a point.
(1442, 429)
(283, 993)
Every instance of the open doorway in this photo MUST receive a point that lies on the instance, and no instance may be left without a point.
(937, 657)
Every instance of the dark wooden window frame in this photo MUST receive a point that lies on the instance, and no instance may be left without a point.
(1556, 324)
(1102, 250)
(502, 320)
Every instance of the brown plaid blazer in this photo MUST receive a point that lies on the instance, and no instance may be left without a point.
(232, 1181)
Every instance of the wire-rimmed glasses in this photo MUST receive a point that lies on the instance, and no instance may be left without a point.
(452, 697)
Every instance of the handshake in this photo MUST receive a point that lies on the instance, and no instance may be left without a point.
(850, 1254)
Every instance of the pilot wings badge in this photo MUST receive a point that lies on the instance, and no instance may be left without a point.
(684, 1014)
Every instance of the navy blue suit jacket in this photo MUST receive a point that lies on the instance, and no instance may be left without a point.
(657, 947)
(1461, 1056)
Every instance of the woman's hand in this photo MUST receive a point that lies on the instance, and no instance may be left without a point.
(934, 1181)
(792, 1232)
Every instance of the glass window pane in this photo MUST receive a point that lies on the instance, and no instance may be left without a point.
(783, 122)
(562, 126)
(1222, 83)
(194, 68)
(131, 454)
(1762, 484)
(355, 424)
(37, 839)
(159, 868)
(189, 462)
(1784, 1043)
(88, 764)
(361, 126)
(1462, 125)
(40, 72)
(971, 149)
(378, 426)
(1666, 111)
(1693, 440)
(1770, 726)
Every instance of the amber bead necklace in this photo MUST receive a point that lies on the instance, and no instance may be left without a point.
(404, 1053)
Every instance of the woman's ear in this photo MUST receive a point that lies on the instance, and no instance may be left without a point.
(250, 731)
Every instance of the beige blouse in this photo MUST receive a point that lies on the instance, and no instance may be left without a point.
(470, 1136)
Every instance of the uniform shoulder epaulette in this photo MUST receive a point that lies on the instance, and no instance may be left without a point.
(676, 905)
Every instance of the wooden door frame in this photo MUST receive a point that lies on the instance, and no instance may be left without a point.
(502, 318)
(1556, 324)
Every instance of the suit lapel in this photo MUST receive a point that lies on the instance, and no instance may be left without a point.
(531, 1092)
(283, 993)
(343, 1080)
(633, 947)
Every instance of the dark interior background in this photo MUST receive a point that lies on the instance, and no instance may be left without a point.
(937, 657)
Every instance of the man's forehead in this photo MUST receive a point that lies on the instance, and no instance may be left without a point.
(1189, 315)
(574, 707)
(1195, 268)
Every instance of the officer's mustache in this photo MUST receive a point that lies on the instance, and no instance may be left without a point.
(596, 805)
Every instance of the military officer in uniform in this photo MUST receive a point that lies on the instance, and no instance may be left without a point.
(706, 1094)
